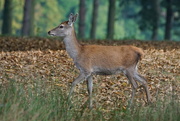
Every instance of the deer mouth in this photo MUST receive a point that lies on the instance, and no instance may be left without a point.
(51, 34)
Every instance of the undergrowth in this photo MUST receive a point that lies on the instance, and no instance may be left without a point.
(20, 102)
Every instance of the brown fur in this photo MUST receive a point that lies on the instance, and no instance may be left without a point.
(109, 56)
(98, 59)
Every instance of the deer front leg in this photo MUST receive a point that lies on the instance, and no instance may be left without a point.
(74, 83)
(89, 87)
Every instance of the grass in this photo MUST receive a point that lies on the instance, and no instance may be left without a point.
(24, 102)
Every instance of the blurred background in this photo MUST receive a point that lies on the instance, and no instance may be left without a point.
(98, 19)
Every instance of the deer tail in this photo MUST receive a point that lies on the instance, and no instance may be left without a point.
(139, 52)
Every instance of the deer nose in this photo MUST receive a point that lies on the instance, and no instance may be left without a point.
(49, 32)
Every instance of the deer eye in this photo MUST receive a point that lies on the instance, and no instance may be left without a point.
(61, 26)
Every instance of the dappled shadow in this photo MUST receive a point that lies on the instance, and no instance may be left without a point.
(37, 43)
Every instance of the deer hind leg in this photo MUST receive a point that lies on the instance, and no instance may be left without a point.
(89, 87)
(142, 80)
(129, 75)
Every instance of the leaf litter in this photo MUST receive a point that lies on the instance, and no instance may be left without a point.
(25, 60)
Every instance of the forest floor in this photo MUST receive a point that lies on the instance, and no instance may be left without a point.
(27, 60)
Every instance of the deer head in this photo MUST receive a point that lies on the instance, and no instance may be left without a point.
(65, 28)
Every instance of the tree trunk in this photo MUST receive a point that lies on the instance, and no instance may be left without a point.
(169, 18)
(82, 13)
(111, 19)
(94, 18)
(155, 25)
(28, 18)
(7, 18)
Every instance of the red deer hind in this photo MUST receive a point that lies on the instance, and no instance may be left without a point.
(100, 60)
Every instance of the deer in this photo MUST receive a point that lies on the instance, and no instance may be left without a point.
(100, 60)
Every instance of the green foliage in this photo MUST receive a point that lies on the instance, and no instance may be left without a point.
(1, 13)
(130, 15)
(17, 16)
(102, 20)
(49, 14)
(147, 14)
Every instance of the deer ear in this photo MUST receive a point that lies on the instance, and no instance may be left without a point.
(74, 17)
(70, 22)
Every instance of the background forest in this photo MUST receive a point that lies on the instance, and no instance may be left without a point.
(98, 19)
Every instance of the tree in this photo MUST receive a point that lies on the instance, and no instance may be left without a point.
(111, 19)
(28, 18)
(82, 13)
(94, 18)
(7, 18)
(155, 19)
(169, 17)
(149, 16)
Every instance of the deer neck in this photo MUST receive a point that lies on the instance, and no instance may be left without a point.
(72, 45)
